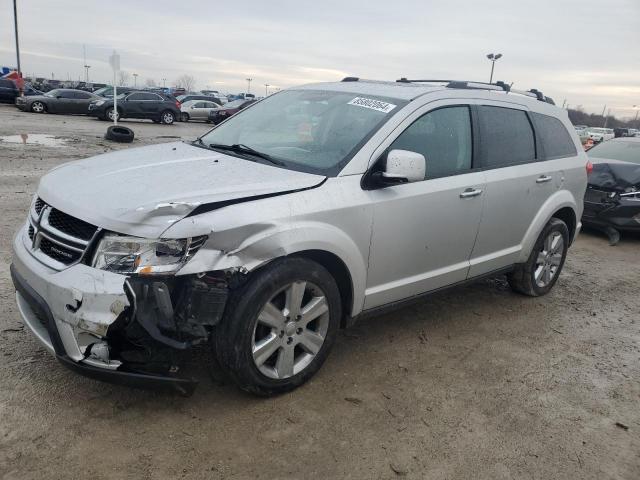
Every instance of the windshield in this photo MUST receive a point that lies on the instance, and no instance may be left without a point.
(628, 151)
(309, 130)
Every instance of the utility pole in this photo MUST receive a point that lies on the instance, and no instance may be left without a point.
(15, 25)
(249, 85)
(493, 58)
(135, 80)
(86, 67)
(164, 83)
(605, 120)
(266, 89)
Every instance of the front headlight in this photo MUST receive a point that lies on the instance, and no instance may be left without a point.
(123, 254)
(100, 102)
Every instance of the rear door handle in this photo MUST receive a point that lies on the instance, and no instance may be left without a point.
(543, 179)
(470, 192)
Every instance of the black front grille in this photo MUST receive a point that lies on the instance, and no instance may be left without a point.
(59, 252)
(39, 205)
(31, 232)
(70, 225)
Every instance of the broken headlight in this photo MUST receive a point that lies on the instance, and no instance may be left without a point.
(124, 254)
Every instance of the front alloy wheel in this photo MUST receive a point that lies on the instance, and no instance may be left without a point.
(279, 326)
(290, 330)
(112, 114)
(37, 107)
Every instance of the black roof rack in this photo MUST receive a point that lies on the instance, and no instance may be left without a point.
(473, 85)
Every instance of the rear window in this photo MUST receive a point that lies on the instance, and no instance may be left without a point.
(506, 137)
(552, 134)
(625, 150)
(7, 84)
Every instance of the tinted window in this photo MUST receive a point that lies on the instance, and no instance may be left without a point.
(7, 84)
(506, 137)
(210, 105)
(81, 95)
(199, 105)
(556, 141)
(66, 94)
(444, 138)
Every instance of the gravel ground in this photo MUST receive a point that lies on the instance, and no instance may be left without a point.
(475, 382)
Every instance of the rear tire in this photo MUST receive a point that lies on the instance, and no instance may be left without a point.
(540, 272)
(184, 117)
(167, 117)
(279, 326)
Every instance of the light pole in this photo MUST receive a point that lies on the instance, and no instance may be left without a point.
(249, 85)
(86, 73)
(135, 80)
(15, 25)
(493, 57)
(636, 108)
(164, 83)
(266, 89)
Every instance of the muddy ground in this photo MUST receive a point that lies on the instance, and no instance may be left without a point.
(474, 383)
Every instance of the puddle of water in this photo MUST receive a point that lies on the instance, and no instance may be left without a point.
(35, 139)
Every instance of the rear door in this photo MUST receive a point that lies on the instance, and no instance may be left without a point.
(199, 111)
(81, 102)
(424, 232)
(518, 183)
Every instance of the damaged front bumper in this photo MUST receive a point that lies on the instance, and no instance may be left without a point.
(116, 328)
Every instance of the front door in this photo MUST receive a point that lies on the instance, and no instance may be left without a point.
(424, 232)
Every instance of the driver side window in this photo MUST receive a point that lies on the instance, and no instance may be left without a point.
(444, 137)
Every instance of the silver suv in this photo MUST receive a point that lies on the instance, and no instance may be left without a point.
(289, 221)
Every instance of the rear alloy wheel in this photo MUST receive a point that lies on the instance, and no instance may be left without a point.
(184, 117)
(279, 326)
(111, 113)
(167, 117)
(38, 107)
(540, 272)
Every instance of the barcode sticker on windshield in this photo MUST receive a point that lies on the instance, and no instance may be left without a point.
(383, 107)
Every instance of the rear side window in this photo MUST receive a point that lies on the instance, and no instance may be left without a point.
(81, 95)
(506, 137)
(552, 134)
(443, 136)
(7, 84)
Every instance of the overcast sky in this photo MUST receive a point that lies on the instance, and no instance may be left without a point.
(584, 51)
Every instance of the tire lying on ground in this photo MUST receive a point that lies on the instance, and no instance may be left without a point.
(119, 134)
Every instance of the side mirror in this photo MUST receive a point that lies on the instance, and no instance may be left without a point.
(403, 166)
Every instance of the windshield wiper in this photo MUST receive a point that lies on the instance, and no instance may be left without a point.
(242, 148)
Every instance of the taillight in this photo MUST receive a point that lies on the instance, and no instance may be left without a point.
(589, 167)
(178, 104)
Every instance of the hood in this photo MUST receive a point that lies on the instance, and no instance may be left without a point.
(143, 191)
(615, 175)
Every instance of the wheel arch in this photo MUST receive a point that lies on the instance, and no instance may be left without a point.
(340, 272)
(561, 205)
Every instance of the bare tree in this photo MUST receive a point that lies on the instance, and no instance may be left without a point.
(123, 78)
(187, 82)
(150, 82)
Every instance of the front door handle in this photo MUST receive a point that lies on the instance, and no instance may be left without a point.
(470, 192)
(543, 179)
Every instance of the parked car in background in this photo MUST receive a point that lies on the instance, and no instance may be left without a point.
(229, 109)
(583, 133)
(623, 132)
(270, 232)
(8, 90)
(146, 105)
(108, 91)
(197, 110)
(612, 200)
(29, 90)
(60, 100)
(598, 134)
(193, 96)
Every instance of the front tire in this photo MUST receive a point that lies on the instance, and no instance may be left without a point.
(279, 326)
(540, 272)
(38, 107)
(111, 113)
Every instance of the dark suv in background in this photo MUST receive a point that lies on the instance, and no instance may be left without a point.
(148, 105)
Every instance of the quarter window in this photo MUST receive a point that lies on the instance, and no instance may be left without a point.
(556, 141)
(444, 137)
(506, 137)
